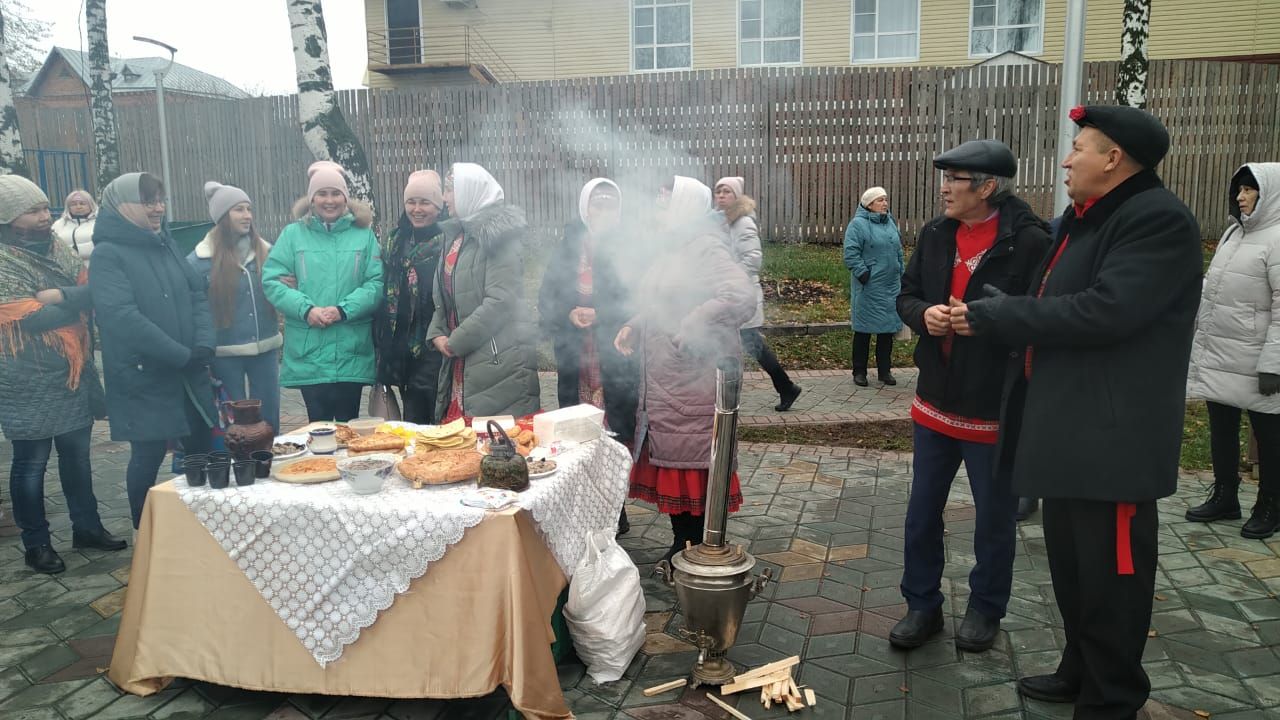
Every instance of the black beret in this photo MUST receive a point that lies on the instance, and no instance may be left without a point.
(1139, 133)
(985, 156)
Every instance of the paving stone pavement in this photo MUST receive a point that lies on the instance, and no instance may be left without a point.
(827, 521)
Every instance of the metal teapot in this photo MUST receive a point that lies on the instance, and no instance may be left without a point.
(503, 468)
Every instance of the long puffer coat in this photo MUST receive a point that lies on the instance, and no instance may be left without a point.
(872, 245)
(494, 337)
(744, 243)
(1238, 326)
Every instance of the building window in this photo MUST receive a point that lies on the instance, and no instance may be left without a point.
(886, 30)
(1001, 25)
(404, 36)
(769, 32)
(660, 32)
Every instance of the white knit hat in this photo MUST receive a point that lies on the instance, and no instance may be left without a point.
(222, 198)
(18, 196)
(872, 195)
(326, 174)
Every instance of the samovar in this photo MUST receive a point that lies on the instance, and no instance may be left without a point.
(713, 580)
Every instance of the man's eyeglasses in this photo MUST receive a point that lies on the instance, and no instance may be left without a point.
(950, 179)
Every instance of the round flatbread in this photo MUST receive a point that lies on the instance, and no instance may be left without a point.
(308, 470)
(441, 467)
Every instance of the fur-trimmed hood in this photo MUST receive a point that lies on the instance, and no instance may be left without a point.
(493, 227)
(204, 248)
(744, 206)
(361, 211)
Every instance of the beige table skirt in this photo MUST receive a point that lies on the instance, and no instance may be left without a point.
(479, 618)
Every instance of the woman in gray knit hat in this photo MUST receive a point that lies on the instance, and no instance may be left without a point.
(49, 387)
(230, 258)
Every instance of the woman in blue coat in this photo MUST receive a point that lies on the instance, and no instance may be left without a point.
(873, 254)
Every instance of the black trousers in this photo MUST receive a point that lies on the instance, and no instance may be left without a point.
(329, 402)
(862, 348)
(754, 344)
(1224, 445)
(1106, 615)
(419, 405)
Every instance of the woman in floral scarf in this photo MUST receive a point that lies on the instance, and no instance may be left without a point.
(49, 388)
(405, 359)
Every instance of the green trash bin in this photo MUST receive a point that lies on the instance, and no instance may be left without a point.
(188, 233)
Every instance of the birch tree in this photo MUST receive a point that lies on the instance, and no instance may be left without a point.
(25, 33)
(324, 127)
(1131, 79)
(105, 141)
(11, 158)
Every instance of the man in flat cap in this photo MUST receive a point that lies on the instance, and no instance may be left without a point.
(1093, 417)
(985, 236)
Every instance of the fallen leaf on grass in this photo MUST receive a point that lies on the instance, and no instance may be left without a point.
(1202, 713)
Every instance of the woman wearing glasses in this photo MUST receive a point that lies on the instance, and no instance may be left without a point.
(156, 329)
(479, 326)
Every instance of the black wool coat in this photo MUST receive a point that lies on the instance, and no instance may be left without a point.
(619, 375)
(1101, 416)
(971, 382)
(152, 311)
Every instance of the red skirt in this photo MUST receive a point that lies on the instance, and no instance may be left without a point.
(676, 490)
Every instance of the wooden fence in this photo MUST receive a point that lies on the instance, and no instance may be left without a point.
(807, 140)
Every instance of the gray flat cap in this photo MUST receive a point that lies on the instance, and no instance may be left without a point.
(985, 156)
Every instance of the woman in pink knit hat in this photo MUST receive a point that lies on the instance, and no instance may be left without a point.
(324, 275)
(406, 360)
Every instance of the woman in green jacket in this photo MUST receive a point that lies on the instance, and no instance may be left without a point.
(324, 275)
(480, 324)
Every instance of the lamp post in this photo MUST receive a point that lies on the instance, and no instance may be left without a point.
(1072, 78)
(164, 133)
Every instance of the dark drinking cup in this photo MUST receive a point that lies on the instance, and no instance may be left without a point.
(244, 470)
(262, 463)
(219, 474)
(194, 468)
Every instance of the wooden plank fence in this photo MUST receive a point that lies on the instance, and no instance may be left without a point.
(808, 141)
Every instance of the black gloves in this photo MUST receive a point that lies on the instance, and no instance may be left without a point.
(200, 357)
(864, 277)
(1268, 383)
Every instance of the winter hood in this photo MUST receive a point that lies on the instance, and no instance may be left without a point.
(742, 207)
(584, 197)
(360, 211)
(1267, 212)
(874, 217)
(204, 248)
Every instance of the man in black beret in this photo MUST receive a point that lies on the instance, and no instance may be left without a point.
(985, 236)
(1093, 417)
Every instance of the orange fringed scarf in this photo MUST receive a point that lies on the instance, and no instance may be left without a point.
(71, 341)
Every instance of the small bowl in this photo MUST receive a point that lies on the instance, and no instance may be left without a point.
(367, 473)
(365, 425)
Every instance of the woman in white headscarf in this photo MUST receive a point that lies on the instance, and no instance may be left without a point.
(75, 228)
(480, 326)
(582, 305)
(691, 303)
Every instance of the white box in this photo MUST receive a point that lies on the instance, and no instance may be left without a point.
(578, 423)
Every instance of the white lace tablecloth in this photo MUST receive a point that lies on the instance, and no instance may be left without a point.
(328, 560)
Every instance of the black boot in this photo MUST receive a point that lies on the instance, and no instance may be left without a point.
(1026, 508)
(695, 529)
(679, 532)
(1223, 504)
(787, 398)
(916, 628)
(43, 559)
(1265, 518)
(624, 525)
(860, 378)
(887, 378)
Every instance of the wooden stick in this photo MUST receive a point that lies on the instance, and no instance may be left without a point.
(810, 698)
(765, 699)
(727, 707)
(749, 684)
(770, 669)
(656, 689)
(792, 690)
(794, 703)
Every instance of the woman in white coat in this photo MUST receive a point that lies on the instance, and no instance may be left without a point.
(1235, 358)
(75, 228)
